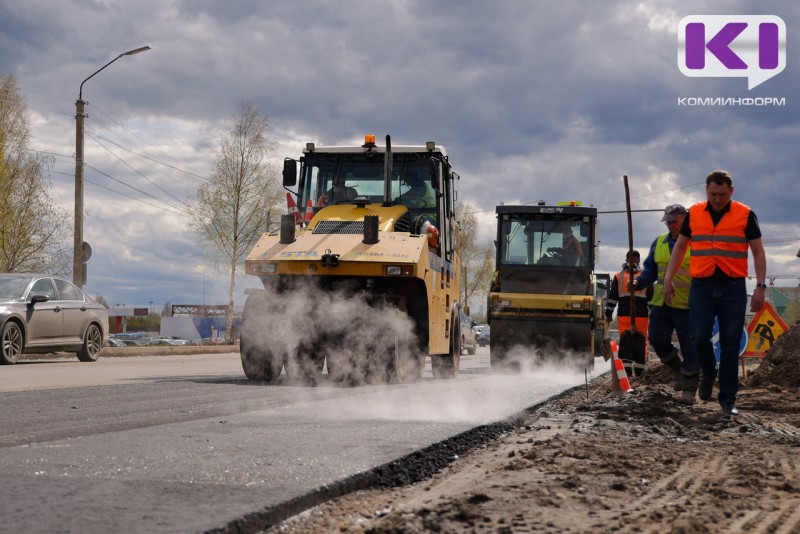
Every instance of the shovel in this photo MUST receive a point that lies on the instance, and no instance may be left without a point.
(606, 348)
(631, 342)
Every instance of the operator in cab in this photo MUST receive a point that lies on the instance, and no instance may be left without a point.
(337, 193)
(572, 249)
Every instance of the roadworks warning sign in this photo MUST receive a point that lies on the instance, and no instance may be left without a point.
(765, 327)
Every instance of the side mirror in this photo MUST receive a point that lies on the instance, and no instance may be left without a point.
(289, 172)
(39, 298)
(434, 172)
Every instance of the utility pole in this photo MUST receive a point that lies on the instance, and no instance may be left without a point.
(81, 252)
(77, 253)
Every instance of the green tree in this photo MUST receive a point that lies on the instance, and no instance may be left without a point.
(34, 231)
(230, 209)
(144, 323)
(477, 259)
(792, 313)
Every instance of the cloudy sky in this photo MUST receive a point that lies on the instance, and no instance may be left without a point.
(532, 99)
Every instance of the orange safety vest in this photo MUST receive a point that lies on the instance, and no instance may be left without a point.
(623, 278)
(723, 245)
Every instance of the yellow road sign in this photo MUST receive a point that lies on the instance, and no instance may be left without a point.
(765, 327)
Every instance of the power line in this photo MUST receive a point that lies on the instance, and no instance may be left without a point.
(71, 157)
(140, 174)
(135, 189)
(144, 156)
(146, 144)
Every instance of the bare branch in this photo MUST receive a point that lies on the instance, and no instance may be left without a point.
(230, 210)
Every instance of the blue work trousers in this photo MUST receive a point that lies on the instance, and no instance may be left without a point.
(727, 302)
(663, 321)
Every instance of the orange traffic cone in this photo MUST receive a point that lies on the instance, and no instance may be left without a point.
(619, 379)
(309, 212)
(293, 209)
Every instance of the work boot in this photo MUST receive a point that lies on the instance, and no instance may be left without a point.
(730, 409)
(673, 361)
(689, 389)
(706, 386)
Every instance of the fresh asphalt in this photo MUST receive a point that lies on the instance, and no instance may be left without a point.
(184, 443)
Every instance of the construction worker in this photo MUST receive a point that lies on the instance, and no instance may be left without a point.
(419, 195)
(666, 318)
(619, 297)
(337, 193)
(572, 249)
(719, 233)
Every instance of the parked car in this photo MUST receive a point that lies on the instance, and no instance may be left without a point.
(181, 342)
(130, 338)
(468, 341)
(41, 313)
(114, 342)
(159, 342)
(483, 337)
(212, 341)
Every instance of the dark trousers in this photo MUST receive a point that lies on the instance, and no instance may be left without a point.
(663, 321)
(726, 302)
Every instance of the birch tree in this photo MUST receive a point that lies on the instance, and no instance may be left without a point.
(34, 230)
(477, 259)
(230, 210)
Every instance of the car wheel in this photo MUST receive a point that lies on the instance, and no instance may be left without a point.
(92, 343)
(13, 343)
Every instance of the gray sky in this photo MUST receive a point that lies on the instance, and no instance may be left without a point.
(532, 99)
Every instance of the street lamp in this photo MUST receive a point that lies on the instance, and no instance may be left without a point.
(82, 251)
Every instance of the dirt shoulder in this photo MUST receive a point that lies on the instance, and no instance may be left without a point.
(596, 461)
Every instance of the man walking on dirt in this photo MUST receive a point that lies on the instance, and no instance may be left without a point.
(667, 318)
(719, 232)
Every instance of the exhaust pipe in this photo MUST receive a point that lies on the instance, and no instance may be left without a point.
(370, 229)
(287, 229)
(387, 173)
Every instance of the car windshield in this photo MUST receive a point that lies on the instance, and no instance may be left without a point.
(13, 287)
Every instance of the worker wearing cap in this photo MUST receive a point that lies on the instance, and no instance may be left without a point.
(619, 297)
(666, 318)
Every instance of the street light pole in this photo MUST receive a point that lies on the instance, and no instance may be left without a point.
(81, 250)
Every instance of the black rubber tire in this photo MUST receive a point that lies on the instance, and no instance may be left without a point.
(343, 370)
(445, 366)
(307, 364)
(259, 363)
(13, 343)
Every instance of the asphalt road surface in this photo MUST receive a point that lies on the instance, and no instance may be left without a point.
(188, 444)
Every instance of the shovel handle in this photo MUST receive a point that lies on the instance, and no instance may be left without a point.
(630, 251)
